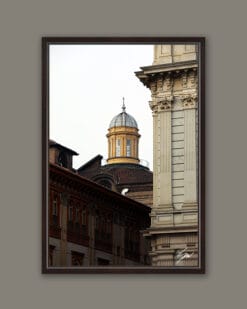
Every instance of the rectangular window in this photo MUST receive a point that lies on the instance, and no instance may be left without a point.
(70, 213)
(54, 207)
(77, 258)
(128, 148)
(118, 148)
(84, 217)
(77, 215)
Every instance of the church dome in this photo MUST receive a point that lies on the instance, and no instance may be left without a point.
(123, 120)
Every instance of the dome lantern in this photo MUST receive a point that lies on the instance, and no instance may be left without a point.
(123, 139)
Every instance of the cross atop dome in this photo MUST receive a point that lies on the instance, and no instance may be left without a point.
(123, 119)
(123, 106)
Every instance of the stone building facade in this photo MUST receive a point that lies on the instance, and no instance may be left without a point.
(173, 82)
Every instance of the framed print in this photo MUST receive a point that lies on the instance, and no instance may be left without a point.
(123, 147)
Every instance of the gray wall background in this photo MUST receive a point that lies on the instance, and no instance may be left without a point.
(22, 23)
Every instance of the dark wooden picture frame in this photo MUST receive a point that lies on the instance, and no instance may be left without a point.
(161, 76)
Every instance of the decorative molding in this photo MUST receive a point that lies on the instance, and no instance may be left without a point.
(177, 103)
(189, 100)
(168, 82)
(162, 105)
(160, 84)
(193, 78)
(184, 78)
(166, 103)
(153, 87)
(153, 106)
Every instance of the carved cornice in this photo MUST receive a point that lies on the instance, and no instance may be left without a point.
(184, 78)
(193, 77)
(153, 87)
(160, 83)
(150, 75)
(168, 82)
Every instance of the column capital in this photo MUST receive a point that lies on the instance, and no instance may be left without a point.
(189, 100)
(163, 105)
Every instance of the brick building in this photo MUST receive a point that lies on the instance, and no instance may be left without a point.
(90, 224)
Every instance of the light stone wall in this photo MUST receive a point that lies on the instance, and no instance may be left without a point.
(173, 81)
(165, 249)
(165, 54)
(174, 104)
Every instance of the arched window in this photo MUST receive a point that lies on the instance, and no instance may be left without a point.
(105, 183)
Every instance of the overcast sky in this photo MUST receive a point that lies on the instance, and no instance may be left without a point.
(87, 84)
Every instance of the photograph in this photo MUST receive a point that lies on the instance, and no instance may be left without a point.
(123, 155)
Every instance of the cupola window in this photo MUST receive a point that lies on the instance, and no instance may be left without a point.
(118, 148)
(128, 148)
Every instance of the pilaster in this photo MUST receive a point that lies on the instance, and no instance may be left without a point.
(163, 154)
(162, 181)
(190, 168)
